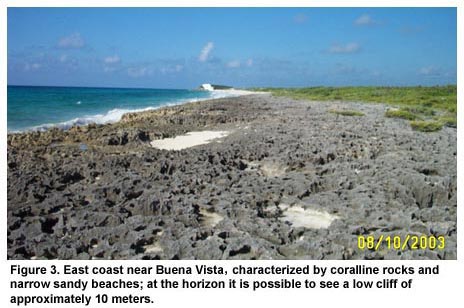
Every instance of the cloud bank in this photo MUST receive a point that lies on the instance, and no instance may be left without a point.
(365, 20)
(204, 54)
(112, 59)
(345, 49)
(73, 41)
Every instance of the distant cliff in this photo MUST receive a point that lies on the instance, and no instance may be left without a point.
(221, 87)
(210, 87)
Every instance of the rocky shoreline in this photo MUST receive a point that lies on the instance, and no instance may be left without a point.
(291, 180)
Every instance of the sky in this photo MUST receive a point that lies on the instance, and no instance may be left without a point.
(242, 47)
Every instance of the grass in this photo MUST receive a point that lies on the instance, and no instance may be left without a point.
(400, 113)
(351, 113)
(426, 126)
(437, 104)
(448, 121)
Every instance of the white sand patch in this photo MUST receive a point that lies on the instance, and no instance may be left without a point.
(308, 218)
(234, 93)
(188, 140)
(210, 218)
(251, 166)
(270, 169)
(153, 248)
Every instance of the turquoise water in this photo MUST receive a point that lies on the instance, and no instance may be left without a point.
(39, 108)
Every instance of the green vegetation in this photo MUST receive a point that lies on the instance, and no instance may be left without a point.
(426, 126)
(400, 113)
(220, 87)
(431, 105)
(439, 97)
(448, 121)
(350, 113)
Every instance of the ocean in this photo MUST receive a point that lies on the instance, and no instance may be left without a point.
(40, 108)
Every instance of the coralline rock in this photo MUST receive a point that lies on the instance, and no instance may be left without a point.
(119, 198)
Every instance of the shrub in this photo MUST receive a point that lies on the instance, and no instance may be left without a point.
(350, 113)
(401, 113)
(426, 126)
(449, 121)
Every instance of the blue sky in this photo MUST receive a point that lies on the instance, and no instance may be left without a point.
(184, 47)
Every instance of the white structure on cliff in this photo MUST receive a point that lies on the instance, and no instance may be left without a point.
(207, 87)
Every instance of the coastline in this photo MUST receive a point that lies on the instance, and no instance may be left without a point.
(115, 114)
(291, 180)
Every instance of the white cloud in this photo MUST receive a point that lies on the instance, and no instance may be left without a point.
(32, 66)
(347, 48)
(74, 40)
(112, 59)
(300, 18)
(66, 61)
(233, 64)
(204, 54)
(430, 71)
(137, 72)
(172, 69)
(364, 20)
(109, 69)
(249, 62)
(411, 29)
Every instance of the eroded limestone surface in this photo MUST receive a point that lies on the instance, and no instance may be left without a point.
(103, 192)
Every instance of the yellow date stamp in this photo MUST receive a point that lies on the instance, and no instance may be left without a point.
(397, 242)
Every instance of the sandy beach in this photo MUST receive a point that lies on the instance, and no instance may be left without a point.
(248, 177)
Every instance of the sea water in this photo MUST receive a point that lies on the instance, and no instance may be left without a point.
(40, 108)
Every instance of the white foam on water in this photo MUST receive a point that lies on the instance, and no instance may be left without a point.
(111, 116)
(116, 114)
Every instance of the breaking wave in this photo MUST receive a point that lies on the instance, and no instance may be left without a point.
(116, 114)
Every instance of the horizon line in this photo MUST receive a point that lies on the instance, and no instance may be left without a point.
(248, 87)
